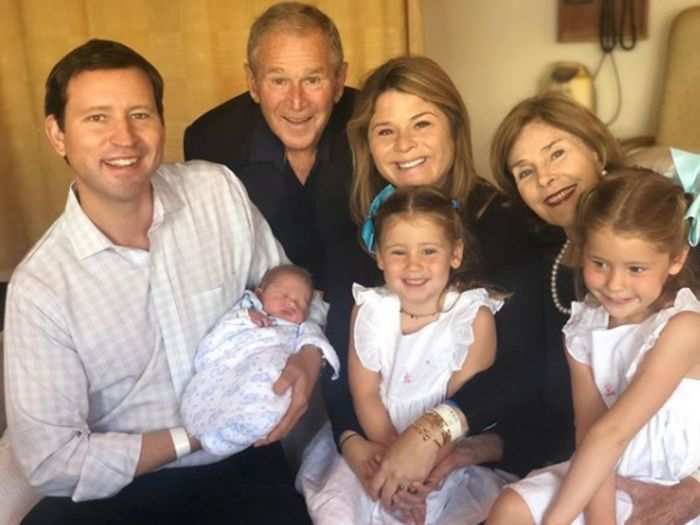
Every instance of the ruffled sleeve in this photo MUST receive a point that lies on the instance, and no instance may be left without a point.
(578, 331)
(318, 310)
(375, 324)
(464, 306)
(310, 334)
(685, 301)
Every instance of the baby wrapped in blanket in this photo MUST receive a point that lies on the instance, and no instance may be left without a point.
(229, 404)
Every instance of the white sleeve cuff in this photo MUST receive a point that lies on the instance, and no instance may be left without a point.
(109, 466)
(318, 310)
(311, 334)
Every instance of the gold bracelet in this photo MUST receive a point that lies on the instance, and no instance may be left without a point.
(424, 433)
(437, 422)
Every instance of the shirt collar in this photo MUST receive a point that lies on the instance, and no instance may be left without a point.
(87, 239)
(267, 147)
(166, 200)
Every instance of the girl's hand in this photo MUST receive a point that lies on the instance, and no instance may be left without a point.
(484, 448)
(416, 493)
(408, 459)
(363, 457)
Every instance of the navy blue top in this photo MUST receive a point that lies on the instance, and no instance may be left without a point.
(305, 218)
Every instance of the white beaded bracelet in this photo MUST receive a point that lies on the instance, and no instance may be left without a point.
(181, 441)
(451, 418)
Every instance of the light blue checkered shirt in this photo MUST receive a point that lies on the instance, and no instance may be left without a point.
(100, 339)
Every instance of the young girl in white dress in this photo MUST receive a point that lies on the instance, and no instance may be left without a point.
(633, 348)
(414, 342)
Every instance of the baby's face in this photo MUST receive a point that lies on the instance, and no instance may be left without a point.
(287, 296)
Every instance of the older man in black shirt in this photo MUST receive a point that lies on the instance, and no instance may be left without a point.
(285, 138)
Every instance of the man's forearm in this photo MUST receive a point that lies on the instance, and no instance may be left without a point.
(312, 340)
(669, 504)
(312, 358)
(158, 448)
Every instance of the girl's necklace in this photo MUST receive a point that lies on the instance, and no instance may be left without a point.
(553, 279)
(418, 316)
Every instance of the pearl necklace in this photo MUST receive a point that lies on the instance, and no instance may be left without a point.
(418, 316)
(553, 280)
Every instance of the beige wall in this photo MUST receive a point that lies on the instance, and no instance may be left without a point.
(497, 52)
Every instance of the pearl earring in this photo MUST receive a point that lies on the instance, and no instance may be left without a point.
(603, 172)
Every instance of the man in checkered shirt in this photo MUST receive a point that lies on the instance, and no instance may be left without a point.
(105, 312)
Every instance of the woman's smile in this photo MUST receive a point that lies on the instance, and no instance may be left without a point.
(411, 163)
(562, 195)
(410, 140)
(551, 168)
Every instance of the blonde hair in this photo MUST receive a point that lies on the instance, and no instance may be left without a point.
(560, 112)
(299, 19)
(413, 75)
(640, 203)
(431, 203)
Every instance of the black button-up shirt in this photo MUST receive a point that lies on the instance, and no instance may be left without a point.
(306, 218)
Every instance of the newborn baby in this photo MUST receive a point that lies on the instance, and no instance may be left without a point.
(229, 403)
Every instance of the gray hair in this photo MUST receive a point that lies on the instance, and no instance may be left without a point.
(296, 18)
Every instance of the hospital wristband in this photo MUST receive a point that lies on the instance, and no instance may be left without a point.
(452, 424)
(181, 441)
(425, 428)
(460, 415)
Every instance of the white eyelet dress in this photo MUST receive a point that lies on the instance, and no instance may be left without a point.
(415, 369)
(667, 448)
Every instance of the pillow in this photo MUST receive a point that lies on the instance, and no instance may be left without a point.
(655, 158)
